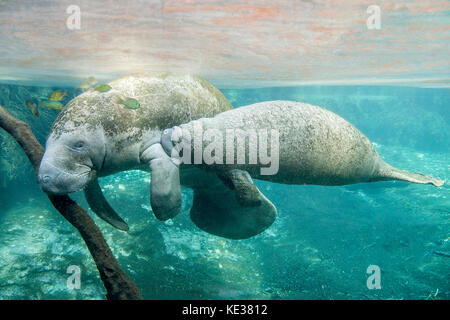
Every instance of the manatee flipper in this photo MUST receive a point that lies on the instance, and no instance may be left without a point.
(232, 207)
(247, 194)
(99, 205)
(165, 191)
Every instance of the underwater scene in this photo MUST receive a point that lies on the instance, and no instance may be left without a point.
(319, 247)
(111, 95)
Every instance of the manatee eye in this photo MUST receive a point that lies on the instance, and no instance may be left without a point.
(78, 145)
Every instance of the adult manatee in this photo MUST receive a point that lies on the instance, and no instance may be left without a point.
(98, 135)
(307, 145)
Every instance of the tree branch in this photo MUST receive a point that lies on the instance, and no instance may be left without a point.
(118, 285)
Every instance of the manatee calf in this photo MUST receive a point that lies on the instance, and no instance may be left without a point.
(312, 146)
(96, 135)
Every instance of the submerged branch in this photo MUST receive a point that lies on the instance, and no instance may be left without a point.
(118, 285)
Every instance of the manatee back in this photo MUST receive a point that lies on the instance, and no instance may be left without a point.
(316, 146)
(165, 100)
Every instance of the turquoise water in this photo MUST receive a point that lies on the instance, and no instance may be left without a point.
(319, 247)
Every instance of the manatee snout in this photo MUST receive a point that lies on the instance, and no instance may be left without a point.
(53, 180)
(71, 160)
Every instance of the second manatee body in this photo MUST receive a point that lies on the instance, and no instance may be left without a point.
(315, 146)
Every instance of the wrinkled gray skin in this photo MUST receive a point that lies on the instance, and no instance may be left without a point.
(316, 146)
(95, 136)
(86, 151)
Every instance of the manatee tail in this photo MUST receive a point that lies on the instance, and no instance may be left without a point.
(391, 173)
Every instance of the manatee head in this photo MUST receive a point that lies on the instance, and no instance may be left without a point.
(76, 147)
(95, 124)
(73, 154)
